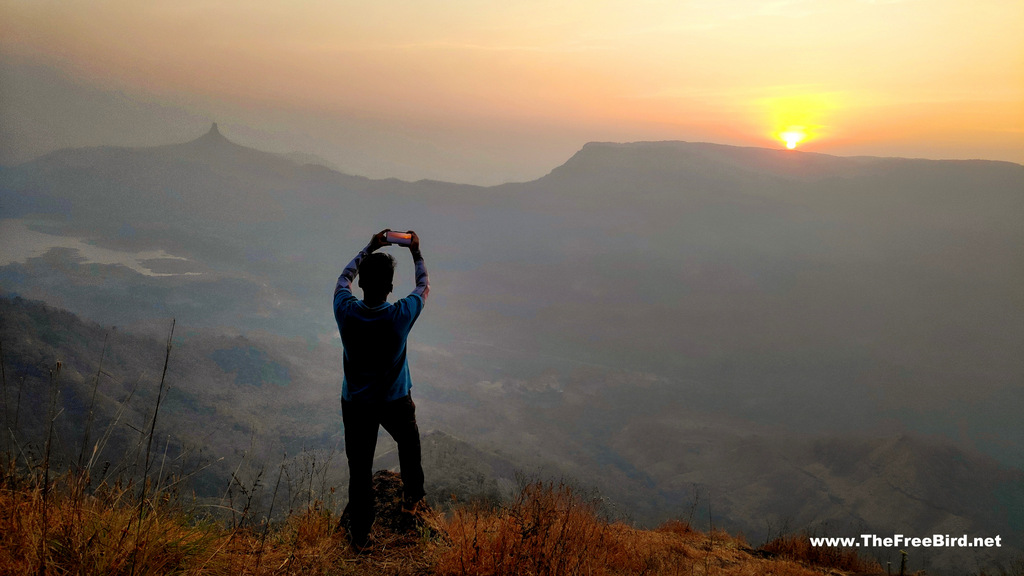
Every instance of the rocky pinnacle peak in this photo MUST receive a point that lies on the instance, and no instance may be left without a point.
(213, 137)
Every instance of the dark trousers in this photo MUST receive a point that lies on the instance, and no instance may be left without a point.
(362, 421)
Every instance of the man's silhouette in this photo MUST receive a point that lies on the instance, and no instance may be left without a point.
(375, 389)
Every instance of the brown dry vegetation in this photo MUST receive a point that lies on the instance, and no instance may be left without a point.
(799, 546)
(548, 530)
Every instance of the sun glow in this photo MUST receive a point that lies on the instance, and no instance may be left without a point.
(792, 137)
(798, 117)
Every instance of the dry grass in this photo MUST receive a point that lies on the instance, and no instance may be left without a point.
(798, 547)
(64, 531)
(102, 534)
(548, 530)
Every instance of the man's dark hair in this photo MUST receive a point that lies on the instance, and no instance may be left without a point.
(377, 271)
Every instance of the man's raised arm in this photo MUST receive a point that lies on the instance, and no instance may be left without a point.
(422, 282)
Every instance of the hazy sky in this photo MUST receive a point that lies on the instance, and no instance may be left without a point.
(488, 91)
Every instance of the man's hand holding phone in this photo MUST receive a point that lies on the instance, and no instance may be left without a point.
(380, 240)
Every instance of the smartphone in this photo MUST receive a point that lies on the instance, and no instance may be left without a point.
(400, 238)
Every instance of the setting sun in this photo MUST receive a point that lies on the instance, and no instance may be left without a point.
(792, 138)
(797, 116)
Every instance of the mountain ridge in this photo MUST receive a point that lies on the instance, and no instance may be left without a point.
(680, 157)
(778, 162)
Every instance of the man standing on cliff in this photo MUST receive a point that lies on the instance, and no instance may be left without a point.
(375, 388)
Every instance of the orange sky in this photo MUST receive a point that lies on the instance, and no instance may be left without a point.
(482, 91)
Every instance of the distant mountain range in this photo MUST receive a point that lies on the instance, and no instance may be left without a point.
(791, 336)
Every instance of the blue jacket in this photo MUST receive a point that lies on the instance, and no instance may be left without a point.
(376, 367)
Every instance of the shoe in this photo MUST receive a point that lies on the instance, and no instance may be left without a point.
(360, 542)
(358, 538)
